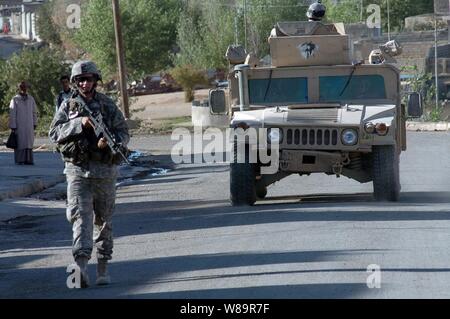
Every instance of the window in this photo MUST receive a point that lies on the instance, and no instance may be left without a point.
(278, 90)
(332, 88)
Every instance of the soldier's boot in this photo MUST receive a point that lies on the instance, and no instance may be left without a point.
(103, 277)
(82, 263)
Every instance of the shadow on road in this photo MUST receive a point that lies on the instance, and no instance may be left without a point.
(133, 277)
(147, 217)
(146, 278)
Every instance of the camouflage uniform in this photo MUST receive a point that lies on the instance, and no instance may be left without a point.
(91, 172)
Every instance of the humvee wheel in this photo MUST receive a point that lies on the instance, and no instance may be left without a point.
(242, 182)
(386, 173)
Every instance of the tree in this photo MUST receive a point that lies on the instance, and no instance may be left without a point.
(3, 85)
(149, 32)
(47, 29)
(64, 16)
(346, 11)
(205, 30)
(262, 15)
(41, 69)
(188, 77)
(401, 9)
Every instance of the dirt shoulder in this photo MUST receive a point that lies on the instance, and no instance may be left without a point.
(163, 106)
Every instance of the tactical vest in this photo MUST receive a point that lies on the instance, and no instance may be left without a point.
(82, 149)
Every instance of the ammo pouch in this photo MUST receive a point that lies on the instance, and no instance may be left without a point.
(74, 151)
(102, 156)
(78, 152)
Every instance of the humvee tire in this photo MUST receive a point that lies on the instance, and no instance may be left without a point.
(242, 181)
(386, 173)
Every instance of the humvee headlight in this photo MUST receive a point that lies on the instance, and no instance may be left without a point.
(274, 136)
(349, 137)
(369, 128)
(381, 128)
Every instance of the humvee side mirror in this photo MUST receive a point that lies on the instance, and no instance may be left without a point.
(415, 105)
(217, 102)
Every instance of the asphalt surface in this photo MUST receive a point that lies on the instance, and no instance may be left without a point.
(9, 46)
(176, 236)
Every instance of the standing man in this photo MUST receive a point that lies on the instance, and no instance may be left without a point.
(23, 121)
(90, 168)
(66, 91)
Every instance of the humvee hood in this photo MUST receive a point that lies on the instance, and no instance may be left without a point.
(346, 115)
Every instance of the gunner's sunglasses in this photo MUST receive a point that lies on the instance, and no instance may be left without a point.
(82, 79)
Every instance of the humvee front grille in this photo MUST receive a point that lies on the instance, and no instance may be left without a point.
(312, 137)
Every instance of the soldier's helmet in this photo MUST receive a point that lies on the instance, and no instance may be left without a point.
(316, 11)
(85, 67)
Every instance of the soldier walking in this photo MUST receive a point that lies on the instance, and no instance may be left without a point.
(90, 168)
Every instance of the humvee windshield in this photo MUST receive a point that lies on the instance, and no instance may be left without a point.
(294, 90)
(335, 88)
(278, 90)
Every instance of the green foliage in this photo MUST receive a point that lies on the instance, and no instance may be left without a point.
(263, 15)
(434, 114)
(423, 84)
(188, 77)
(204, 32)
(4, 122)
(46, 27)
(41, 69)
(400, 9)
(44, 122)
(3, 84)
(206, 29)
(149, 33)
(346, 11)
(96, 35)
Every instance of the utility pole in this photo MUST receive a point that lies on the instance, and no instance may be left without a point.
(436, 62)
(245, 25)
(236, 38)
(361, 13)
(120, 59)
(389, 21)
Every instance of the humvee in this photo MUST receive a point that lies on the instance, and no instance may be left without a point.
(327, 113)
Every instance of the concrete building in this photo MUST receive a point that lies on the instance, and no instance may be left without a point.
(22, 16)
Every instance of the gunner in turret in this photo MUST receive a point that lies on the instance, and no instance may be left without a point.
(316, 11)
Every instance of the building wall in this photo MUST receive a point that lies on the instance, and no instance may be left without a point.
(416, 46)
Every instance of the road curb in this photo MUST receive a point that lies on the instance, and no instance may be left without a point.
(41, 184)
(35, 186)
(428, 126)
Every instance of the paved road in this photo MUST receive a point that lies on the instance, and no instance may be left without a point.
(178, 237)
(9, 46)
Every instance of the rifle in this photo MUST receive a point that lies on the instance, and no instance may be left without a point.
(101, 130)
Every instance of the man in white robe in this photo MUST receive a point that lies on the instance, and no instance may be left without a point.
(23, 121)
